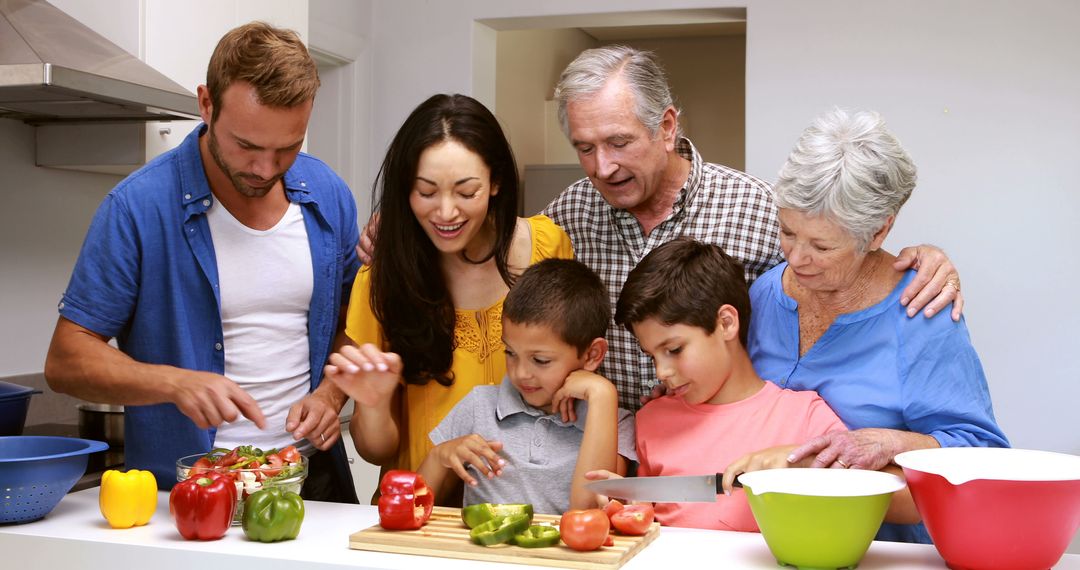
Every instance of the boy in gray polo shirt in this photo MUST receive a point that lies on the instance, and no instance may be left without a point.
(532, 438)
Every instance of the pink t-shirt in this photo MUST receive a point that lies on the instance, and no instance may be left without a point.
(676, 438)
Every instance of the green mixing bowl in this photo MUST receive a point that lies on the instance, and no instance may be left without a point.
(819, 518)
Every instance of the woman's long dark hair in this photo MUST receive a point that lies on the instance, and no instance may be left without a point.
(408, 292)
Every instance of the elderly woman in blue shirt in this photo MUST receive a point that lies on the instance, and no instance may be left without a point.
(829, 319)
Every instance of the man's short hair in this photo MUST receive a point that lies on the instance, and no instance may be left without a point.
(562, 294)
(685, 281)
(592, 70)
(273, 60)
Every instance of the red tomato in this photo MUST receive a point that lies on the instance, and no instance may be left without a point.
(227, 460)
(584, 529)
(609, 541)
(633, 519)
(612, 507)
(203, 465)
(290, 454)
(275, 462)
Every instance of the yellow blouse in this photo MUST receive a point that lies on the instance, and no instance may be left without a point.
(478, 349)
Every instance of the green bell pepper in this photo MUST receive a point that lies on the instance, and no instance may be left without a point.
(476, 515)
(273, 514)
(537, 536)
(500, 530)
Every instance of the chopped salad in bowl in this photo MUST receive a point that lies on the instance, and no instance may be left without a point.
(250, 468)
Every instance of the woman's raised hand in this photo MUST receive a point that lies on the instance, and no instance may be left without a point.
(365, 373)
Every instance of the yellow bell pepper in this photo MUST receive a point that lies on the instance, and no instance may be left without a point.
(128, 499)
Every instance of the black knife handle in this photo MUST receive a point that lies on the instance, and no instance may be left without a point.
(720, 483)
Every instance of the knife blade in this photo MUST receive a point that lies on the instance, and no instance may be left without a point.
(679, 489)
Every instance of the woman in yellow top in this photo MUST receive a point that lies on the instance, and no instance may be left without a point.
(426, 314)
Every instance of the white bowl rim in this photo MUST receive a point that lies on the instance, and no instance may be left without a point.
(959, 465)
(821, 482)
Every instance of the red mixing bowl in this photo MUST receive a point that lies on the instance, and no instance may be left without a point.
(993, 508)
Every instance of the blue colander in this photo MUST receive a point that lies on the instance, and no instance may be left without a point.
(36, 471)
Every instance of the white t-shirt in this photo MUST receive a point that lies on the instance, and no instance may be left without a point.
(266, 283)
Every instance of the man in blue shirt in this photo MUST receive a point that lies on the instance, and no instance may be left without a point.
(221, 269)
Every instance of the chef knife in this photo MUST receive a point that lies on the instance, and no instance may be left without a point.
(681, 489)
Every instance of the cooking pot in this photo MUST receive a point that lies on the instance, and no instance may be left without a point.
(102, 422)
(994, 508)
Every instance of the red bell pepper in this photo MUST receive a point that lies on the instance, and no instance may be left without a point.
(203, 506)
(405, 501)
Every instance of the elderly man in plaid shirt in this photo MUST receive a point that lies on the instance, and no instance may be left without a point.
(647, 185)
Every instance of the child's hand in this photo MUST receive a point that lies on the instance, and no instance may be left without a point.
(365, 373)
(771, 458)
(581, 385)
(473, 450)
(600, 475)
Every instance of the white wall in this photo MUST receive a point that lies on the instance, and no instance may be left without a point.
(339, 132)
(42, 225)
(994, 169)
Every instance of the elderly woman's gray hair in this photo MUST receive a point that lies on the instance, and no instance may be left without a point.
(591, 70)
(850, 169)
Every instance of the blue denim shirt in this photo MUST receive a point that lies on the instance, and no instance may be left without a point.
(147, 275)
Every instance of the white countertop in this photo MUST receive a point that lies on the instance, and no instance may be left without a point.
(74, 535)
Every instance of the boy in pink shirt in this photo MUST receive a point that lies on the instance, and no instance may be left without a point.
(686, 303)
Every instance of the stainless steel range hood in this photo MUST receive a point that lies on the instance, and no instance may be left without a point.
(54, 69)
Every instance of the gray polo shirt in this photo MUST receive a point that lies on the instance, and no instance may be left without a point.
(540, 449)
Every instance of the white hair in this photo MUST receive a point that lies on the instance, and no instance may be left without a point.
(592, 70)
(849, 168)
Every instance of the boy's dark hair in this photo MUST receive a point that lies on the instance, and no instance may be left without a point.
(562, 294)
(685, 282)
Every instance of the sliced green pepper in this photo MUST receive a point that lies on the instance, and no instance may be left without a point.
(476, 515)
(500, 530)
(273, 514)
(537, 536)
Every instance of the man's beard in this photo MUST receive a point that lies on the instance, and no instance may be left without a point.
(238, 178)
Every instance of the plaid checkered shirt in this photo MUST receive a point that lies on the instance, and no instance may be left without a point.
(717, 205)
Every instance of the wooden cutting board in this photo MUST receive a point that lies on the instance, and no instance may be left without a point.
(446, 536)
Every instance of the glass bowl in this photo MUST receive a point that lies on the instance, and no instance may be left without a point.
(249, 481)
